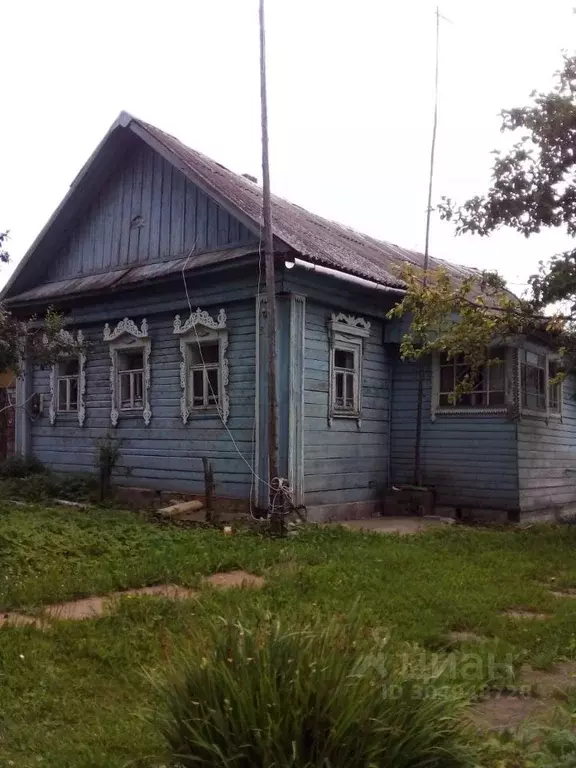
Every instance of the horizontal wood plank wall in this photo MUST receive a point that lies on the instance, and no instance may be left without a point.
(167, 455)
(343, 462)
(547, 457)
(146, 211)
(471, 460)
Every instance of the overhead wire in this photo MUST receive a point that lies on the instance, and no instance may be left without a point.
(254, 475)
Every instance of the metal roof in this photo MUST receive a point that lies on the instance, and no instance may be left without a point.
(318, 239)
(119, 278)
(310, 236)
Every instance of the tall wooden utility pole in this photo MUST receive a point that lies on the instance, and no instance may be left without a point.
(421, 363)
(269, 264)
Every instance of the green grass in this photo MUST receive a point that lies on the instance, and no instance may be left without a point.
(82, 694)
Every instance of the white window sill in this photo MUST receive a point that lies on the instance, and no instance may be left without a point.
(481, 411)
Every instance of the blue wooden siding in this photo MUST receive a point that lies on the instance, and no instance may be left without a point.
(470, 459)
(343, 462)
(547, 457)
(175, 217)
(167, 454)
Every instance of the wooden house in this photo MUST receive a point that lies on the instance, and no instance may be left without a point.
(154, 257)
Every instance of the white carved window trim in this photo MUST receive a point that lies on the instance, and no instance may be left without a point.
(68, 339)
(346, 333)
(124, 338)
(201, 327)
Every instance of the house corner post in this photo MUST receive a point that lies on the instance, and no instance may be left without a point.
(22, 425)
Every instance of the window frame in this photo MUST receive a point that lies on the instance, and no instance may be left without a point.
(346, 333)
(466, 410)
(547, 412)
(68, 379)
(127, 337)
(202, 328)
(130, 374)
(54, 410)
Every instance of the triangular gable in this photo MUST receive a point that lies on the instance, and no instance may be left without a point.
(130, 205)
(145, 212)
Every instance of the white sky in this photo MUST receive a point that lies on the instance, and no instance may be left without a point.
(350, 92)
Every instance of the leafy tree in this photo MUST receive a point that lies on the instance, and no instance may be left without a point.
(532, 188)
(38, 341)
(3, 252)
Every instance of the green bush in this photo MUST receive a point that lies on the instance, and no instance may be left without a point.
(272, 697)
(21, 466)
(47, 485)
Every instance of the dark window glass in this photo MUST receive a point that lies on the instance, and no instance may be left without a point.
(343, 358)
(207, 352)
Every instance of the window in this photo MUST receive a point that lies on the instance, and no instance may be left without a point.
(68, 376)
(204, 374)
(345, 385)
(131, 379)
(537, 369)
(488, 383)
(204, 364)
(347, 334)
(68, 379)
(532, 380)
(130, 349)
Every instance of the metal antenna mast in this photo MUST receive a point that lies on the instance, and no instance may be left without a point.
(421, 366)
(269, 265)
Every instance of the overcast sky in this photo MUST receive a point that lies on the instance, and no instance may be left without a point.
(350, 90)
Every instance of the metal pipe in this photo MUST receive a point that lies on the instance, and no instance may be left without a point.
(346, 276)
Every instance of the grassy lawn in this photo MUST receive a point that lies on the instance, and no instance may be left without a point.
(83, 693)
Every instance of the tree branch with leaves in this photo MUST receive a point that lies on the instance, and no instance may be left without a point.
(532, 188)
(39, 341)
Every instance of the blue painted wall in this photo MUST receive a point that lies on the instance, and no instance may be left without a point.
(176, 217)
(547, 457)
(167, 454)
(471, 460)
(344, 462)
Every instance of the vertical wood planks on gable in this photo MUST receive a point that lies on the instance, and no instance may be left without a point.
(190, 223)
(125, 218)
(96, 240)
(212, 222)
(114, 198)
(175, 218)
(177, 214)
(165, 211)
(135, 209)
(156, 203)
(202, 221)
(146, 210)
